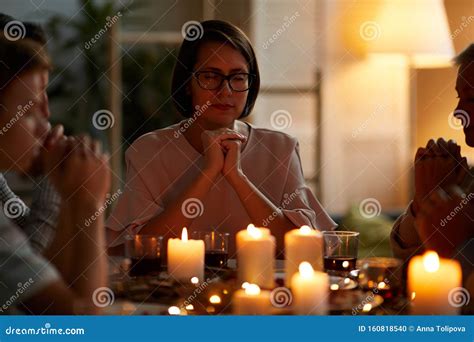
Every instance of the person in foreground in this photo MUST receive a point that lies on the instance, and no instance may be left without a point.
(62, 279)
(213, 171)
(441, 215)
(39, 221)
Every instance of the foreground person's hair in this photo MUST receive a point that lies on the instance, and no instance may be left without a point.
(466, 56)
(18, 57)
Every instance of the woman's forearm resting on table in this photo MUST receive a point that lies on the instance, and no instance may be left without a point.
(259, 207)
(172, 218)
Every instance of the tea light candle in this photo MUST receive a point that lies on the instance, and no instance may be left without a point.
(250, 300)
(255, 256)
(186, 258)
(304, 244)
(430, 280)
(310, 291)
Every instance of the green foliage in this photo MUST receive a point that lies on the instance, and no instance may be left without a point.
(79, 83)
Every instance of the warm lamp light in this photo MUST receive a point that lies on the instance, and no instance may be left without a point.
(417, 29)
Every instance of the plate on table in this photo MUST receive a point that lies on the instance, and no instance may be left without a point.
(128, 308)
(357, 302)
(335, 283)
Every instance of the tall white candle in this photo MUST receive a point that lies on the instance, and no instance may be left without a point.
(256, 256)
(251, 300)
(430, 281)
(310, 291)
(304, 244)
(186, 258)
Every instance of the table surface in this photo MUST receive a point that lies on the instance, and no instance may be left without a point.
(155, 295)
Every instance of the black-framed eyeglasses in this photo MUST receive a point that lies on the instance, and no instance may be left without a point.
(211, 80)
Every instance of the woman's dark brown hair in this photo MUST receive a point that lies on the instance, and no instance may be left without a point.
(211, 31)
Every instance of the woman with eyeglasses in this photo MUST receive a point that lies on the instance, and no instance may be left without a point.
(213, 171)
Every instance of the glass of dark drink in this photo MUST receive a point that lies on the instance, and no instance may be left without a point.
(383, 276)
(145, 254)
(340, 252)
(217, 248)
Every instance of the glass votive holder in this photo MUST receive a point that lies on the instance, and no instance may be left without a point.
(383, 276)
(144, 252)
(216, 246)
(340, 252)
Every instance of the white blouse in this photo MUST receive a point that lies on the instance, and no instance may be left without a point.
(162, 164)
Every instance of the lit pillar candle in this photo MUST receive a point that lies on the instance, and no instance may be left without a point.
(304, 244)
(186, 258)
(310, 291)
(255, 256)
(250, 300)
(430, 281)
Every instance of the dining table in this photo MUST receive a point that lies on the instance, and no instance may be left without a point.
(161, 294)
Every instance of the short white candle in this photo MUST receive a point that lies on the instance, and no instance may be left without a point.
(256, 256)
(304, 244)
(186, 258)
(310, 291)
(251, 300)
(430, 281)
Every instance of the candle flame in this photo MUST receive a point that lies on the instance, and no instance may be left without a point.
(245, 285)
(431, 261)
(305, 230)
(254, 232)
(306, 270)
(195, 280)
(184, 234)
(252, 290)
